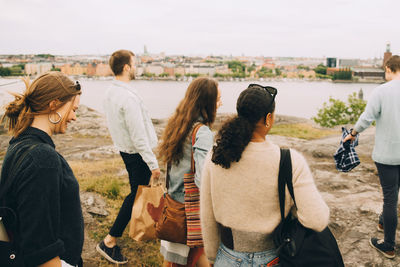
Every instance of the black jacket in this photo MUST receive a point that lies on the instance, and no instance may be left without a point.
(44, 193)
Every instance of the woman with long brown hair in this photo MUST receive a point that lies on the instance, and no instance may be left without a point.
(36, 181)
(198, 106)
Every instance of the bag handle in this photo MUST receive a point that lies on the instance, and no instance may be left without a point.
(285, 179)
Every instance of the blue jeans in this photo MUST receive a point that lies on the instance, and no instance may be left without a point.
(227, 258)
(389, 176)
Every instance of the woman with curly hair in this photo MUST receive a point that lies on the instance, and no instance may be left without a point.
(199, 106)
(239, 201)
(36, 181)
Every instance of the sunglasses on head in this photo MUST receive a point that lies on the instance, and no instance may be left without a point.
(271, 90)
(77, 86)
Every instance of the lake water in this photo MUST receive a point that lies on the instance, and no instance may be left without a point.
(295, 98)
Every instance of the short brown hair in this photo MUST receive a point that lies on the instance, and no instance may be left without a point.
(393, 63)
(119, 59)
(54, 85)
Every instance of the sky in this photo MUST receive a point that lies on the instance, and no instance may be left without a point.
(292, 28)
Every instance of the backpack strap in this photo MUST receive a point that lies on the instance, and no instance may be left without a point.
(285, 179)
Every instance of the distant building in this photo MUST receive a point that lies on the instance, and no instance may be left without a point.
(37, 69)
(77, 69)
(348, 63)
(331, 71)
(66, 69)
(290, 68)
(103, 70)
(170, 71)
(369, 73)
(331, 62)
(179, 70)
(146, 59)
(155, 69)
(91, 69)
(139, 71)
(206, 70)
(191, 69)
(31, 69)
(387, 54)
(223, 69)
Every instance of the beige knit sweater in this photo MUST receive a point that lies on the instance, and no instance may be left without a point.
(245, 196)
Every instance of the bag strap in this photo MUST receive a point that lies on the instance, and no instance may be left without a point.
(194, 133)
(285, 179)
(192, 165)
(167, 176)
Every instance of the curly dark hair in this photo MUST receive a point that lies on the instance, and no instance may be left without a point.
(253, 104)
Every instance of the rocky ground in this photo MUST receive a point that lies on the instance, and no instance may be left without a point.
(354, 198)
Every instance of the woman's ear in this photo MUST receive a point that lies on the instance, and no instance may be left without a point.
(53, 104)
(269, 119)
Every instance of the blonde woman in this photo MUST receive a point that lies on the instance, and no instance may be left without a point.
(36, 181)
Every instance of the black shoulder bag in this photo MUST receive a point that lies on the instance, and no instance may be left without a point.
(9, 256)
(298, 246)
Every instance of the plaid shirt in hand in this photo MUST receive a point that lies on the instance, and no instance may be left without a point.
(346, 157)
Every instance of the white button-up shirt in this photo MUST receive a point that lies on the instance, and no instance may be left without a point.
(129, 122)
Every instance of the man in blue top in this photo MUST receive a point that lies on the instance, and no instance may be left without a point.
(134, 136)
(384, 108)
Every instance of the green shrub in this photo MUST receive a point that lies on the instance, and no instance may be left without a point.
(164, 74)
(320, 69)
(337, 112)
(343, 74)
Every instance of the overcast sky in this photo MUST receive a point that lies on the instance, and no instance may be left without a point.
(310, 28)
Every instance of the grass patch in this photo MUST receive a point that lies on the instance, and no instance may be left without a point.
(301, 130)
(107, 178)
(102, 176)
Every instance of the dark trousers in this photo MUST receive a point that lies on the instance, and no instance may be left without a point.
(139, 174)
(389, 176)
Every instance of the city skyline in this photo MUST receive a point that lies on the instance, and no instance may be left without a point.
(360, 29)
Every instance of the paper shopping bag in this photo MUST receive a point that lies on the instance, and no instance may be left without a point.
(142, 225)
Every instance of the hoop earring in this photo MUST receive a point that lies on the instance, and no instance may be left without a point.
(57, 121)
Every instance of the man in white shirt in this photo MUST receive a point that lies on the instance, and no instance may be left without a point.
(134, 136)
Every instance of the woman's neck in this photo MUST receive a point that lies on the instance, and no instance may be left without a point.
(41, 122)
(256, 137)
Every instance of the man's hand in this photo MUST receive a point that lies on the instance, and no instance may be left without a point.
(349, 137)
